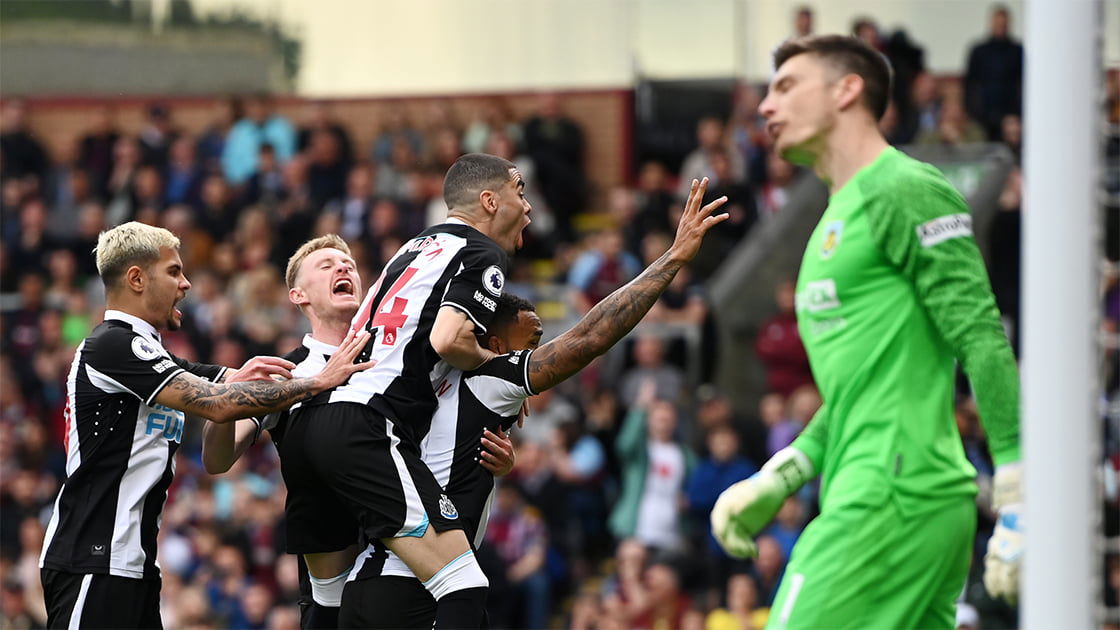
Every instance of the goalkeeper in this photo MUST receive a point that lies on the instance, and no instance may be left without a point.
(891, 292)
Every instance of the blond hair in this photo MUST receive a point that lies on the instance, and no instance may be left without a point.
(327, 241)
(129, 244)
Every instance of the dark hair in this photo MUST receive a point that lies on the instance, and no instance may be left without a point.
(470, 175)
(851, 56)
(509, 307)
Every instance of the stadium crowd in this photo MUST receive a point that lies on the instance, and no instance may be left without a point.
(604, 521)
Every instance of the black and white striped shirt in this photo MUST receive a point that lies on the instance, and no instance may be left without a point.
(120, 451)
(451, 264)
(310, 358)
(469, 403)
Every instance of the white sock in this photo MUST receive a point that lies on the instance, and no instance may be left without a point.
(328, 591)
(459, 574)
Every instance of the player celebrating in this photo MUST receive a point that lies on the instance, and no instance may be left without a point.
(891, 291)
(480, 403)
(126, 398)
(361, 439)
(324, 284)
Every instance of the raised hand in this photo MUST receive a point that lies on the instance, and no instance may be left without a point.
(695, 222)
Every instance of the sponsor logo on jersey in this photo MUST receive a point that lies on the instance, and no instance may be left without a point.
(486, 302)
(143, 349)
(817, 296)
(447, 508)
(163, 366)
(97, 550)
(493, 279)
(167, 421)
(831, 238)
(944, 228)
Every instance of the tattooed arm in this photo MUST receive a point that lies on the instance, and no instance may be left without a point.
(226, 402)
(619, 312)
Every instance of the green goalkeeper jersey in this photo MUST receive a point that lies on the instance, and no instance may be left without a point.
(892, 292)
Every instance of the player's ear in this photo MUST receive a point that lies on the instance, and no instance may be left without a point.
(848, 90)
(488, 199)
(494, 344)
(135, 278)
(297, 296)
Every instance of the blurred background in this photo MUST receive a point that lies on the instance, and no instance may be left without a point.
(249, 126)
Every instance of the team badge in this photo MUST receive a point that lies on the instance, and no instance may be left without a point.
(143, 349)
(493, 279)
(447, 508)
(831, 239)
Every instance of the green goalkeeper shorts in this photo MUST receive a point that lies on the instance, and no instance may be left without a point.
(872, 569)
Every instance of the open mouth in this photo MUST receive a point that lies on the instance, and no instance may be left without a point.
(343, 286)
(775, 129)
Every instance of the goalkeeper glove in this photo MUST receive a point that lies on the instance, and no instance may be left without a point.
(1005, 547)
(742, 510)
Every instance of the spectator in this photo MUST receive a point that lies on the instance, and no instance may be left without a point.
(327, 169)
(864, 28)
(216, 214)
(651, 370)
(740, 204)
(954, 128)
(924, 114)
(769, 567)
(779, 345)
(267, 185)
(183, 176)
(318, 117)
(668, 604)
(1011, 133)
(261, 124)
(21, 154)
(126, 163)
(788, 524)
(491, 117)
(157, 136)
(602, 268)
(742, 607)
(803, 22)
(394, 179)
(722, 467)
(655, 467)
(396, 127)
(651, 201)
(579, 462)
(774, 194)
(518, 534)
(803, 402)
(1005, 252)
(710, 137)
(993, 82)
(354, 207)
(95, 149)
(556, 145)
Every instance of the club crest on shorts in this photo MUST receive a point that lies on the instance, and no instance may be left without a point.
(493, 279)
(447, 508)
(831, 238)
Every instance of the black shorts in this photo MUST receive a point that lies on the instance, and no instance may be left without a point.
(100, 601)
(387, 601)
(347, 467)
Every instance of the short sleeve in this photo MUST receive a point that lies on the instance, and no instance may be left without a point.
(502, 383)
(476, 287)
(212, 373)
(127, 362)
